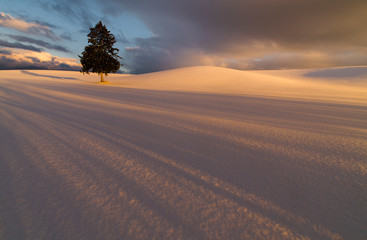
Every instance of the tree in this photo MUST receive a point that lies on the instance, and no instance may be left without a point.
(100, 56)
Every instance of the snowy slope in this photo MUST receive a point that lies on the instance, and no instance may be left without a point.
(194, 153)
(311, 84)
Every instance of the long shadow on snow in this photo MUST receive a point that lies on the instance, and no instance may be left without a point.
(333, 212)
(299, 228)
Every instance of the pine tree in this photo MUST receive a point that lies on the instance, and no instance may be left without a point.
(100, 56)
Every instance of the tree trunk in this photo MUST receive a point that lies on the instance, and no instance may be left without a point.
(102, 77)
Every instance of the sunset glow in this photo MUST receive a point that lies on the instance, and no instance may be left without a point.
(160, 35)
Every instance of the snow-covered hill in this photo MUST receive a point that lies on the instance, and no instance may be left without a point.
(321, 84)
(193, 153)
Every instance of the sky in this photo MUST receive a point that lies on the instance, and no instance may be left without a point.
(155, 35)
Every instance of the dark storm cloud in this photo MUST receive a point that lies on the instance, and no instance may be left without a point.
(215, 22)
(4, 43)
(148, 59)
(245, 29)
(38, 42)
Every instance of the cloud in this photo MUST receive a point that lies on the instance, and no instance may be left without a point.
(38, 42)
(85, 14)
(307, 59)
(66, 36)
(6, 20)
(251, 33)
(4, 52)
(75, 10)
(25, 59)
(4, 43)
(121, 38)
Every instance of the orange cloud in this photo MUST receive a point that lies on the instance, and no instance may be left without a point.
(25, 59)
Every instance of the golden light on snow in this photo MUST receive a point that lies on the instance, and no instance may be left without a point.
(194, 153)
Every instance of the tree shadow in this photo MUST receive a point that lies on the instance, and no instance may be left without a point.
(48, 76)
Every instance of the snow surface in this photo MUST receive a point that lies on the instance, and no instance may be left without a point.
(193, 153)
